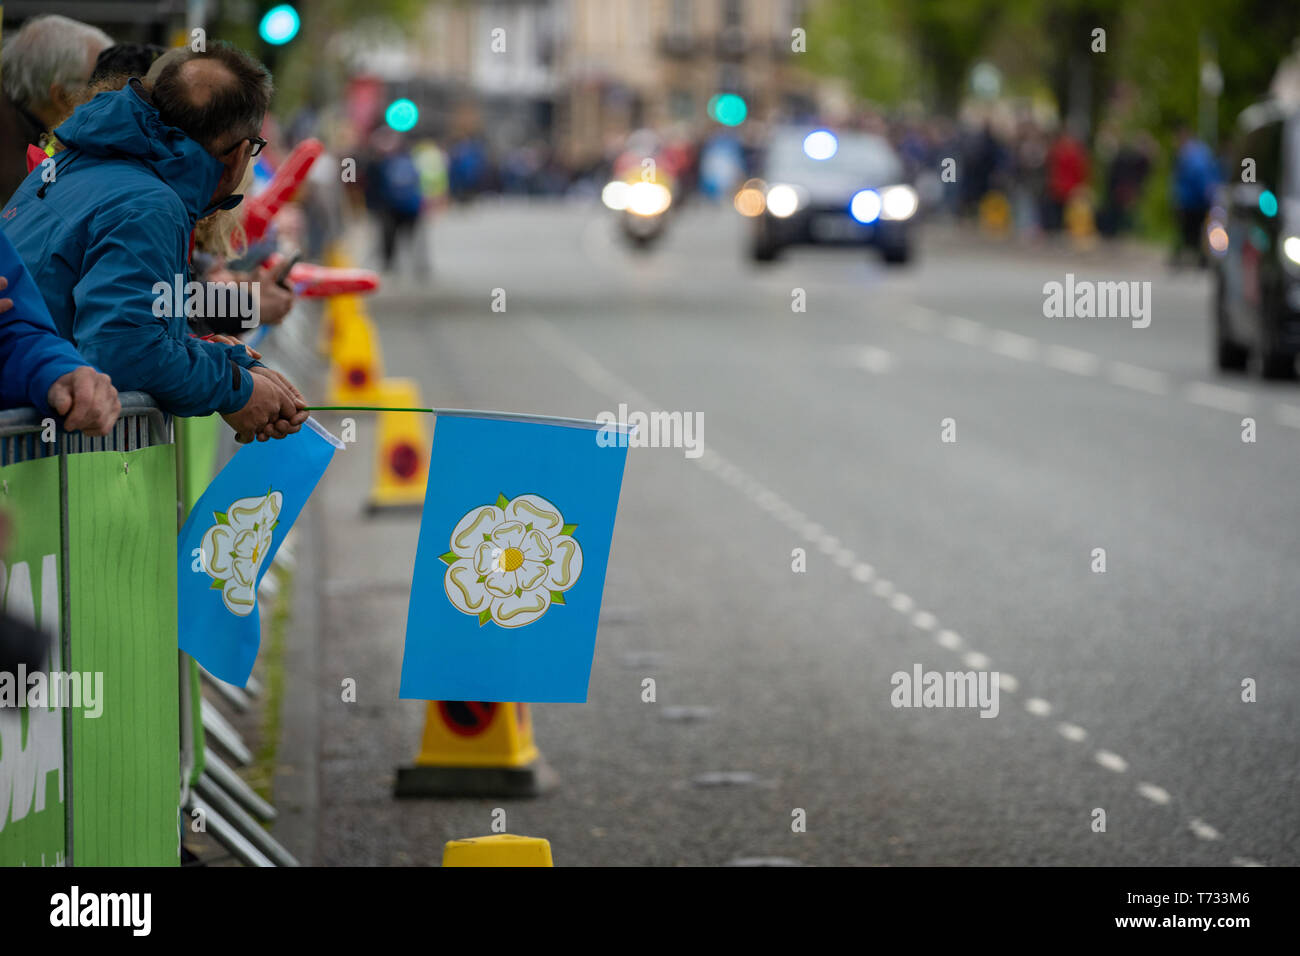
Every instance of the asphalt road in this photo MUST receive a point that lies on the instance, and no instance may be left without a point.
(1120, 691)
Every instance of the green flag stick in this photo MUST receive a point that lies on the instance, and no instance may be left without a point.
(364, 408)
(474, 413)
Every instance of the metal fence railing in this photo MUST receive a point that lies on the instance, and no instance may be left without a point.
(142, 424)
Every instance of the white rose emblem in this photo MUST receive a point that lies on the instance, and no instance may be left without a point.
(235, 547)
(510, 561)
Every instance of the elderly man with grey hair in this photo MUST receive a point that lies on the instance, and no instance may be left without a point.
(43, 68)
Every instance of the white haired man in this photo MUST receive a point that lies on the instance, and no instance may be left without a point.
(43, 68)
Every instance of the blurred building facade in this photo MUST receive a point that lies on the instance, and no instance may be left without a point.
(580, 74)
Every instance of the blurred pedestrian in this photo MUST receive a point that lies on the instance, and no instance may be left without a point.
(393, 194)
(1196, 175)
(1067, 171)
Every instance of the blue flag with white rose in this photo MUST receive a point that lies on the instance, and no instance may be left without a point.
(230, 539)
(510, 568)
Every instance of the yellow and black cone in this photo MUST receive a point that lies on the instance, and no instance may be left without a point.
(402, 450)
(475, 749)
(500, 849)
(356, 364)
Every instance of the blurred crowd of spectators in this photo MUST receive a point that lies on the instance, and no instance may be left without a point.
(121, 166)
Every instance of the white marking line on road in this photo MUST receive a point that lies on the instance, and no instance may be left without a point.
(570, 354)
(975, 660)
(1203, 829)
(1245, 861)
(901, 603)
(1071, 360)
(1288, 415)
(1072, 732)
(1008, 683)
(964, 330)
(1111, 761)
(1158, 795)
(844, 557)
(1015, 346)
(828, 543)
(1139, 378)
(1217, 396)
(874, 360)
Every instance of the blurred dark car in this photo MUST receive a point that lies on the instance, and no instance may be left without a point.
(1253, 234)
(824, 188)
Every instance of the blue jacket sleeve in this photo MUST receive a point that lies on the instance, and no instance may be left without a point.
(32, 353)
(123, 325)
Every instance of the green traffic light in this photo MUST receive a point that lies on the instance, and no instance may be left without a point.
(402, 115)
(728, 109)
(280, 25)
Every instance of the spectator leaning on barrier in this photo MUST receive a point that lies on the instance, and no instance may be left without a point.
(44, 67)
(107, 240)
(41, 368)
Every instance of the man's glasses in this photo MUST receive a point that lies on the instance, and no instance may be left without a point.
(257, 142)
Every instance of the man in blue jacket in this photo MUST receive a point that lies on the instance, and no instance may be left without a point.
(110, 229)
(38, 366)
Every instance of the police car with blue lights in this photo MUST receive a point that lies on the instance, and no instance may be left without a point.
(819, 187)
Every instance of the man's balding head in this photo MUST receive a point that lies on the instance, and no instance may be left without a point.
(218, 98)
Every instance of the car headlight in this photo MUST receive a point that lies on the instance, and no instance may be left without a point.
(782, 201)
(1291, 248)
(648, 199)
(865, 206)
(898, 202)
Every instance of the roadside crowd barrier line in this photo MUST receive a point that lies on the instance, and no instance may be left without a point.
(93, 563)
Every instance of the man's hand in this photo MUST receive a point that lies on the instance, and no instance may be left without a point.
(86, 399)
(5, 304)
(231, 340)
(292, 414)
(274, 410)
(274, 300)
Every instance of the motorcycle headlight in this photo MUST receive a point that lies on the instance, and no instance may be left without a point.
(614, 195)
(648, 199)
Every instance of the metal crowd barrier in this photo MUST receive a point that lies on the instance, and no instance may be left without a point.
(141, 425)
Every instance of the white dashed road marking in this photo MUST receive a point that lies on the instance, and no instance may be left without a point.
(601, 380)
(1153, 793)
(1072, 732)
(1071, 360)
(1111, 761)
(1203, 829)
(1141, 379)
(1217, 396)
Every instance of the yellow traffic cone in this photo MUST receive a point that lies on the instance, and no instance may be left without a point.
(401, 449)
(475, 749)
(356, 365)
(500, 849)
